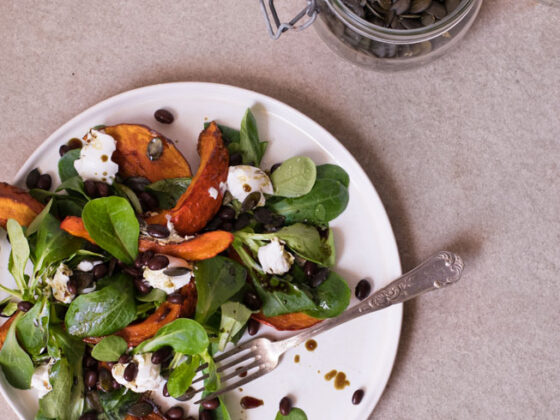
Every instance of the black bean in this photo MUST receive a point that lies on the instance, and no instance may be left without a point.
(90, 362)
(357, 396)
(143, 287)
(275, 166)
(252, 301)
(235, 159)
(164, 116)
(130, 372)
(72, 286)
(140, 409)
(90, 188)
(214, 224)
(44, 182)
(285, 406)
(242, 221)
(227, 226)
(82, 279)
(226, 213)
(319, 277)
(363, 289)
(146, 256)
(99, 271)
(250, 402)
(125, 358)
(264, 215)
(102, 189)
(24, 306)
(32, 178)
(133, 271)
(205, 415)
(310, 269)
(211, 404)
(90, 378)
(175, 413)
(115, 385)
(176, 298)
(148, 201)
(158, 231)
(165, 392)
(62, 150)
(137, 183)
(251, 201)
(253, 326)
(160, 355)
(138, 261)
(90, 415)
(158, 262)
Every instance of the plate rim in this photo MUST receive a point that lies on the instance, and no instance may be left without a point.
(391, 248)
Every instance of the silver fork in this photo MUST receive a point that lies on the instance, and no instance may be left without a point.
(262, 355)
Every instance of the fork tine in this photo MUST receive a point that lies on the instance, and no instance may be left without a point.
(238, 372)
(243, 381)
(235, 362)
(225, 355)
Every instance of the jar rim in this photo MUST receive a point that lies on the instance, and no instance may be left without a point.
(370, 30)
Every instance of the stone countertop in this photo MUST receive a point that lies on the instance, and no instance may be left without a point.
(463, 152)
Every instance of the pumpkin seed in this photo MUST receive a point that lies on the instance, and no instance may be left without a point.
(451, 5)
(437, 10)
(419, 6)
(401, 6)
(411, 23)
(385, 4)
(155, 148)
(251, 201)
(140, 409)
(176, 271)
(428, 19)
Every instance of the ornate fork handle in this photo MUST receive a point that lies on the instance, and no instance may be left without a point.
(440, 270)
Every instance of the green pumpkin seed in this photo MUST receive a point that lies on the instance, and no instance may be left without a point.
(411, 23)
(419, 6)
(176, 271)
(155, 148)
(140, 409)
(428, 19)
(437, 10)
(251, 201)
(401, 6)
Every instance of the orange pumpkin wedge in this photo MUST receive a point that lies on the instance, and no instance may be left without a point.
(151, 416)
(17, 204)
(131, 154)
(203, 198)
(74, 225)
(202, 247)
(136, 333)
(288, 322)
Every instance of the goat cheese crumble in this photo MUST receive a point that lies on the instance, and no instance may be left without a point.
(59, 284)
(244, 179)
(148, 377)
(274, 259)
(159, 280)
(87, 265)
(213, 193)
(95, 158)
(40, 379)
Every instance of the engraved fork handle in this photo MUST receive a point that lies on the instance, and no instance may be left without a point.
(440, 270)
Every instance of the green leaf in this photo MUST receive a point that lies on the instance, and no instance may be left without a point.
(295, 414)
(294, 177)
(169, 190)
(104, 311)
(112, 224)
(115, 404)
(53, 244)
(55, 403)
(234, 316)
(73, 184)
(217, 280)
(284, 298)
(181, 377)
(331, 297)
(212, 383)
(33, 328)
(9, 309)
(16, 363)
(184, 335)
(251, 148)
(63, 344)
(154, 295)
(34, 225)
(330, 171)
(327, 200)
(109, 349)
(19, 254)
(66, 164)
(126, 192)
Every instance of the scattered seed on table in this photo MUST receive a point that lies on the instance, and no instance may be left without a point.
(357, 396)
(363, 289)
(285, 406)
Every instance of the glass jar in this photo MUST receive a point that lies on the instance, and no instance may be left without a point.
(381, 48)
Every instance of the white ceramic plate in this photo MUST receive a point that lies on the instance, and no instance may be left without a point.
(365, 348)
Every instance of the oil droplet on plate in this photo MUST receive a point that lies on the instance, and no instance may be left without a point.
(310, 345)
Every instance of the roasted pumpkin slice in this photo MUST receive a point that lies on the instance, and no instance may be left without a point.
(17, 204)
(74, 225)
(132, 153)
(203, 198)
(164, 314)
(202, 247)
(5, 327)
(151, 416)
(288, 322)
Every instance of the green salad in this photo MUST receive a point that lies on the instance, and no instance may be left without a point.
(134, 272)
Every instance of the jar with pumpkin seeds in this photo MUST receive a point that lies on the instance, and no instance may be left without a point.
(394, 34)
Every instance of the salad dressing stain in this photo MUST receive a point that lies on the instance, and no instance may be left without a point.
(340, 382)
(310, 345)
(296, 358)
(330, 375)
(250, 402)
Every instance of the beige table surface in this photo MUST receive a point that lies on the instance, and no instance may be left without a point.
(464, 154)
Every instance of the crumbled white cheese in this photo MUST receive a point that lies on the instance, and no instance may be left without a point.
(95, 158)
(59, 284)
(274, 259)
(223, 187)
(87, 265)
(40, 380)
(244, 179)
(159, 280)
(148, 377)
(213, 193)
(173, 234)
